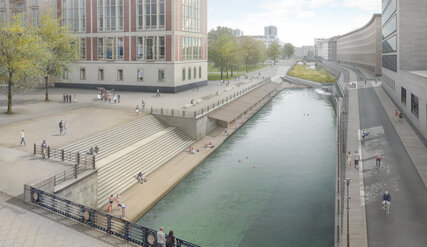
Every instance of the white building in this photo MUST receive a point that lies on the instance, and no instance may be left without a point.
(321, 48)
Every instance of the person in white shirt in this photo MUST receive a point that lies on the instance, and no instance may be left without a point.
(161, 238)
(22, 137)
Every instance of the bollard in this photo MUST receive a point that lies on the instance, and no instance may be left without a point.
(48, 152)
(35, 149)
(62, 155)
(93, 162)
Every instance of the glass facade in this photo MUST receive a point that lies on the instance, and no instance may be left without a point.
(389, 11)
(390, 62)
(191, 15)
(110, 15)
(390, 27)
(390, 45)
(74, 15)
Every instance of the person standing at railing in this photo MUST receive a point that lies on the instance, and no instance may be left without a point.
(161, 238)
(60, 127)
(171, 240)
(44, 147)
(123, 210)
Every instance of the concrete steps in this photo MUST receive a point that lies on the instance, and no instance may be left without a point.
(113, 140)
(120, 173)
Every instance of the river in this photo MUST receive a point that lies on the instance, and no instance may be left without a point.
(270, 184)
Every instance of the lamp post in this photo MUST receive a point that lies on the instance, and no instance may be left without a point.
(347, 182)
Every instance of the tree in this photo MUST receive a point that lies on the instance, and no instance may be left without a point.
(253, 51)
(221, 45)
(61, 48)
(288, 50)
(273, 52)
(20, 51)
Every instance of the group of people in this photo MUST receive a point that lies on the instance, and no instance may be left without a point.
(142, 107)
(119, 204)
(163, 241)
(210, 144)
(68, 98)
(355, 157)
(191, 150)
(63, 127)
(93, 151)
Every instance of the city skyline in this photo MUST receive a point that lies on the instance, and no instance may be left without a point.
(298, 21)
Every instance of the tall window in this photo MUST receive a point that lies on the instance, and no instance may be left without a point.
(65, 75)
(82, 48)
(195, 73)
(140, 75)
(151, 14)
(2, 3)
(110, 48)
(200, 72)
(110, 15)
(120, 75)
(403, 95)
(35, 19)
(34, 2)
(191, 14)
(3, 16)
(21, 10)
(189, 73)
(150, 48)
(161, 75)
(82, 74)
(414, 105)
(74, 15)
(101, 74)
(191, 48)
(183, 74)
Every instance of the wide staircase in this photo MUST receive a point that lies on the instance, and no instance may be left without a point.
(139, 146)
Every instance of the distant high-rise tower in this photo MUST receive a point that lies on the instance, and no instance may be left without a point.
(270, 31)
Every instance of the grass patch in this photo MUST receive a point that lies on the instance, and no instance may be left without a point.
(320, 75)
(217, 76)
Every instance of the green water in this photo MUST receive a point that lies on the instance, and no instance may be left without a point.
(286, 200)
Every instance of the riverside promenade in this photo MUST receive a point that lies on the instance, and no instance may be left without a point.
(142, 197)
(402, 171)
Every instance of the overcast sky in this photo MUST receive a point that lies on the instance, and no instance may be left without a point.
(298, 21)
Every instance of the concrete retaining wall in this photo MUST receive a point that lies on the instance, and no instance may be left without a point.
(83, 191)
(195, 128)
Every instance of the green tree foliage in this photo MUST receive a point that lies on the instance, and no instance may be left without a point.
(288, 50)
(253, 52)
(61, 48)
(21, 50)
(221, 45)
(273, 52)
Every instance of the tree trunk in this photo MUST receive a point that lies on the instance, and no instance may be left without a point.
(9, 95)
(46, 79)
(227, 71)
(231, 71)
(222, 71)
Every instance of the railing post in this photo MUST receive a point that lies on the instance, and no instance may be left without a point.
(78, 158)
(109, 224)
(75, 170)
(54, 180)
(48, 152)
(62, 155)
(126, 233)
(35, 149)
(93, 162)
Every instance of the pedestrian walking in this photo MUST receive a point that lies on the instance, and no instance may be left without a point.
(115, 98)
(378, 160)
(349, 159)
(110, 205)
(123, 210)
(142, 105)
(161, 238)
(60, 127)
(118, 98)
(396, 115)
(63, 98)
(158, 92)
(22, 137)
(137, 110)
(65, 127)
(356, 159)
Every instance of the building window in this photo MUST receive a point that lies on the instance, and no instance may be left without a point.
(149, 48)
(161, 75)
(21, 11)
(100, 48)
(183, 74)
(189, 73)
(191, 48)
(3, 16)
(195, 73)
(82, 48)
(191, 15)
(390, 45)
(82, 74)
(140, 75)
(65, 75)
(200, 72)
(34, 2)
(2, 3)
(140, 48)
(161, 48)
(151, 14)
(100, 74)
(120, 48)
(390, 62)
(389, 11)
(414, 105)
(110, 15)
(35, 19)
(390, 27)
(403, 95)
(74, 15)
(120, 75)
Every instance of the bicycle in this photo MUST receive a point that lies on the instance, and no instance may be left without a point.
(386, 207)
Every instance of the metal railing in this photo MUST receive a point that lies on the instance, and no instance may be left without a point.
(121, 228)
(81, 162)
(208, 105)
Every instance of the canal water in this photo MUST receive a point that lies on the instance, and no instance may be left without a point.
(270, 184)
